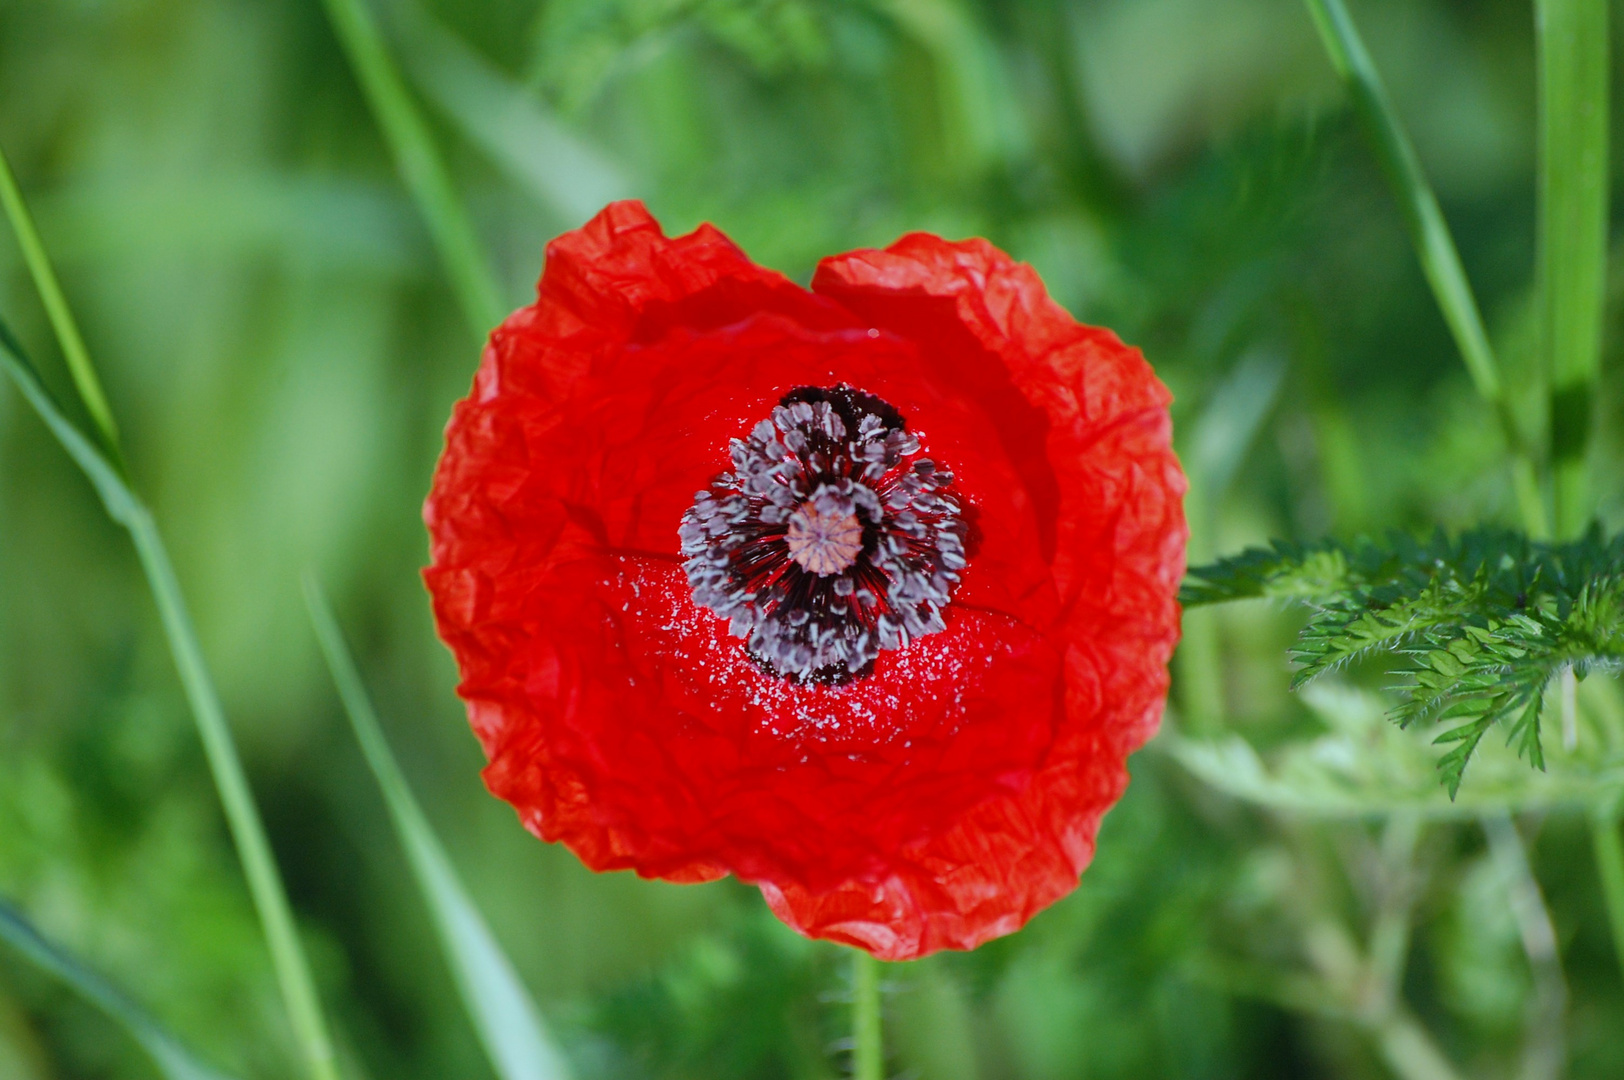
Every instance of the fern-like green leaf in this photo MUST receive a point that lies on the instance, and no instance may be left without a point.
(1482, 622)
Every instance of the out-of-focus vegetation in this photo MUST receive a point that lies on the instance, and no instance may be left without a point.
(281, 348)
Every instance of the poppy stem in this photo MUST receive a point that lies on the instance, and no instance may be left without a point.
(868, 1048)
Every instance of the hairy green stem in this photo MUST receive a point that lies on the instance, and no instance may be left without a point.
(420, 164)
(868, 1047)
(1434, 246)
(57, 309)
(1572, 36)
(242, 816)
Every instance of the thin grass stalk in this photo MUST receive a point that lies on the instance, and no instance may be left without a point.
(57, 309)
(242, 816)
(504, 1016)
(868, 1045)
(1434, 246)
(1609, 850)
(1572, 36)
(421, 167)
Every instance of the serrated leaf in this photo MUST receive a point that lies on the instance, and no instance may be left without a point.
(1452, 766)
(506, 121)
(1526, 734)
(1481, 623)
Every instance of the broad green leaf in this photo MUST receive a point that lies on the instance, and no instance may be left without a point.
(974, 89)
(422, 168)
(506, 121)
(171, 1057)
(508, 1023)
(317, 222)
(1231, 419)
(1573, 75)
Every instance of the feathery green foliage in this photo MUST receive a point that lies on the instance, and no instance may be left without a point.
(1484, 621)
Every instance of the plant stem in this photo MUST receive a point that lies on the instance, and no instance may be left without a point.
(1573, 73)
(56, 308)
(259, 864)
(420, 164)
(1545, 1046)
(242, 816)
(1610, 866)
(504, 1016)
(868, 1048)
(1389, 947)
(1409, 1051)
(1434, 245)
(1198, 661)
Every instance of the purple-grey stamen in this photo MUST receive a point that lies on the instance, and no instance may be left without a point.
(830, 540)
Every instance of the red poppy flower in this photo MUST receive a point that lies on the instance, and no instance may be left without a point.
(863, 594)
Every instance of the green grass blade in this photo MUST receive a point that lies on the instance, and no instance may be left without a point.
(109, 483)
(1230, 421)
(56, 307)
(506, 121)
(173, 1060)
(1610, 869)
(500, 1007)
(1434, 246)
(421, 166)
(242, 816)
(1572, 233)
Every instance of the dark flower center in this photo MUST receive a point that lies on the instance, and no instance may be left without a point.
(830, 540)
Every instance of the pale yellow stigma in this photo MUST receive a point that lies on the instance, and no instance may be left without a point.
(822, 543)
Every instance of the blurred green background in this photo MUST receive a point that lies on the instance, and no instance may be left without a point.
(282, 352)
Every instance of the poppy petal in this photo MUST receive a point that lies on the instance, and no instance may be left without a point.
(940, 798)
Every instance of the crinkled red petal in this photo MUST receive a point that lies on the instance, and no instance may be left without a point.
(945, 798)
